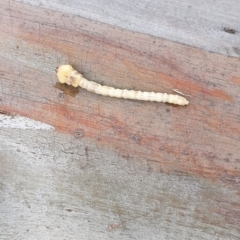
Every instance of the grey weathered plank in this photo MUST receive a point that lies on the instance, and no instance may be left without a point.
(203, 24)
(54, 186)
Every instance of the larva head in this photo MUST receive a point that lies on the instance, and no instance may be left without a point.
(63, 72)
(74, 78)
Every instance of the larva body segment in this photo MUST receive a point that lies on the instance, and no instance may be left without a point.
(66, 74)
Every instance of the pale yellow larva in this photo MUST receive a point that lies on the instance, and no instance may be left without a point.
(66, 74)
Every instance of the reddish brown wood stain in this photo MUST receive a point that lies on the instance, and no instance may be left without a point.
(201, 139)
(235, 80)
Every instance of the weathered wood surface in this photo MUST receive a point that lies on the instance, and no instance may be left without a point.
(55, 186)
(195, 23)
(113, 168)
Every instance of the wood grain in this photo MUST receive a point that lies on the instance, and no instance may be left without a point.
(200, 142)
(54, 186)
(210, 25)
(197, 139)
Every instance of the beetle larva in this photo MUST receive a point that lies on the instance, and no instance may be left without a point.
(66, 74)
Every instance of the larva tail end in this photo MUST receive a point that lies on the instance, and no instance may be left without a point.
(183, 101)
(63, 72)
